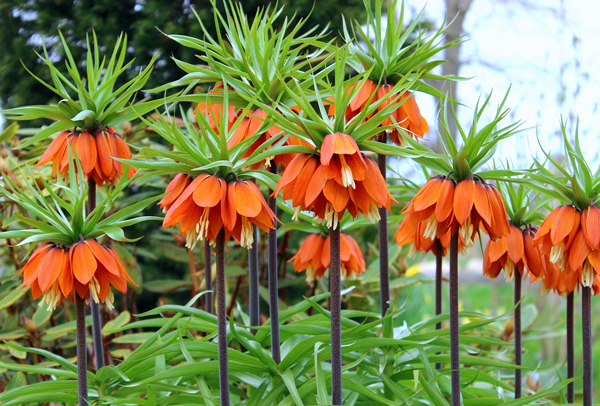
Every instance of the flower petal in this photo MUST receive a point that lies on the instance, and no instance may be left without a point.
(246, 201)
(83, 262)
(464, 196)
(208, 193)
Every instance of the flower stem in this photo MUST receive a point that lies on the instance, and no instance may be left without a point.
(253, 281)
(95, 307)
(335, 307)
(570, 347)
(439, 251)
(454, 336)
(518, 348)
(82, 387)
(273, 283)
(586, 322)
(222, 320)
(384, 265)
(208, 283)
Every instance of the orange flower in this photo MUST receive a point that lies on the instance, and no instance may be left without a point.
(340, 179)
(414, 235)
(214, 111)
(174, 189)
(57, 272)
(407, 116)
(515, 252)
(448, 208)
(250, 126)
(248, 129)
(571, 240)
(209, 203)
(314, 257)
(95, 153)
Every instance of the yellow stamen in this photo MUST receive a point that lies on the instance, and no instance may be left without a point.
(110, 299)
(509, 270)
(310, 273)
(347, 178)
(296, 213)
(51, 297)
(247, 235)
(587, 274)
(94, 286)
(431, 228)
(373, 214)
(331, 217)
(466, 232)
(412, 250)
(557, 254)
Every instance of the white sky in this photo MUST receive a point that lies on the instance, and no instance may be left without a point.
(548, 50)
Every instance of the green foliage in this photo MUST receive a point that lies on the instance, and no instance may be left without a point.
(175, 365)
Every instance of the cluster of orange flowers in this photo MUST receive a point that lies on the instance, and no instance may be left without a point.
(571, 240)
(443, 207)
(314, 257)
(201, 207)
(340, 179)
(407, 116)
(85, 267)
(95, 152)
(514, 252)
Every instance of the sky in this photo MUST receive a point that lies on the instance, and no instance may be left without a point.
(548, 51)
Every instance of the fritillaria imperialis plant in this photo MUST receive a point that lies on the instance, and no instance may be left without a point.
(462, 202)
(517, 252)
(91, 105)
(570, 236)
(389, 54)
(335, 177)
(70, 263)
(211, 197)
(254, 59)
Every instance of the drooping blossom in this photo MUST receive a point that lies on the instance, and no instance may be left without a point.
(571, 240)
(249, 127)
(314, 256)
(407, 115)
(513, 254)
(214, 111)
(338, 179)
(174, 189)
(58, 272)
(448, 207)
(209, 203)
(95, 152)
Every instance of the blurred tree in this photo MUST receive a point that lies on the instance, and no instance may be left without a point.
(25, 25)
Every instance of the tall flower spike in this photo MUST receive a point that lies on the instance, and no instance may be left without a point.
(513, 254)
(57, 272)
(446, 209)
(389, 57)
(89, 101)
(95, 152)
(314, 257)
(340, 179)
(210, 203)
(256, 61)
(569, 238)
(70, 262)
